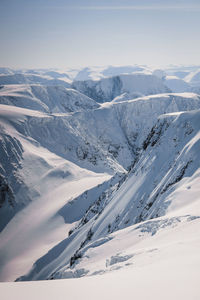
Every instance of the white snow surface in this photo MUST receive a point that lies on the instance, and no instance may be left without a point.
(107, 89)
(51, 181)
(153, 195)
(100, 83)
(96, 73)
(162, 266)
(176, 84)
(104, 197)
(56, 177)
(193, 77)
(45, 98)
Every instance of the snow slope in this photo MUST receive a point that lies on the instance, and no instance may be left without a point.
(104, 140)
(22, 78)
(41, 183)
(45, 98)
(160, 193)
(165, 263)
(193, 78)
(92, 189)
(176, 84)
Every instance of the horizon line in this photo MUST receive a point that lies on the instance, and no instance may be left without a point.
(141, 7)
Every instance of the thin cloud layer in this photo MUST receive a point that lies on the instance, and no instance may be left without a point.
(141, 7)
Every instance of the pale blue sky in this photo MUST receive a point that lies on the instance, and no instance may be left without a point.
(73, 33)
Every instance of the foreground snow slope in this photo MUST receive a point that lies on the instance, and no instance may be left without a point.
(163, 264)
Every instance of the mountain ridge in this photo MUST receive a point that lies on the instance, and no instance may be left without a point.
(88, 188)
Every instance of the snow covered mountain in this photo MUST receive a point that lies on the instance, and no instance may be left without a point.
(96, 73)
(45, 98)
(21, 78)
(153, 189)
(176, 84)
(104, 140)
(193, 79)
(107, 89)
(177, 78)
(129, 86)
(89, 188)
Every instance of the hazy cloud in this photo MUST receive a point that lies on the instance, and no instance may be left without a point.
(179, 7)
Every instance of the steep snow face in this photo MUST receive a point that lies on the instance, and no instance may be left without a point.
(176, 84)
(194, 78)
(108, 88)
(107, 138)
(40, 182)
(143, 83)
(49, 99)
(161, 193)
(11, 152)
(140, 115)
(149, 191)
